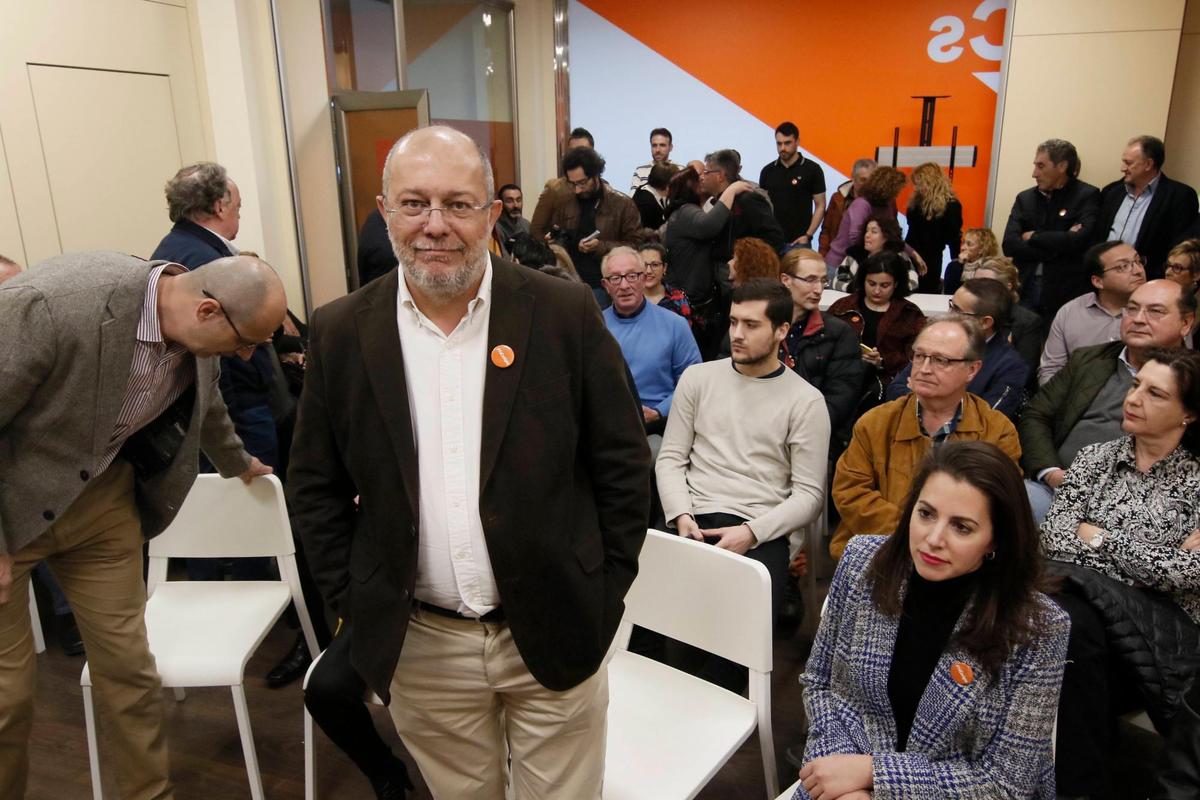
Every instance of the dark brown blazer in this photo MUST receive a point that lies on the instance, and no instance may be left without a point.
(564, 474)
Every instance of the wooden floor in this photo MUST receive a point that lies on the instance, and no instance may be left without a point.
(206, 754)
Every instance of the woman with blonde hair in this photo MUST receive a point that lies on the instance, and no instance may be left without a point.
(977, 243)
(934, 222)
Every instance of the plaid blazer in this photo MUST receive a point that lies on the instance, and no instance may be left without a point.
(987, 739)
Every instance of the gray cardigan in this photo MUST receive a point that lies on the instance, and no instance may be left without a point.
(67, 332)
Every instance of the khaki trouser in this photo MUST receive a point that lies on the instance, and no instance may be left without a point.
(95, 553)
(464, 703)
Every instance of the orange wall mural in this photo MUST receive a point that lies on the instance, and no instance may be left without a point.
(844, 72)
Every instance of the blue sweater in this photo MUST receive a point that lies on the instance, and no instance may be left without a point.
(658, 346)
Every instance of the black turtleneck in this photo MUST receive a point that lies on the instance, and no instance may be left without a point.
(931, 610)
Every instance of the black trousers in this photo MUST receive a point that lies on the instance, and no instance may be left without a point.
(335, 698)
(1095, 689)
(1178, 774)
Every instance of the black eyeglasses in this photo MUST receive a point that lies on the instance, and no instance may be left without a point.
(957, 309)
(244, 344)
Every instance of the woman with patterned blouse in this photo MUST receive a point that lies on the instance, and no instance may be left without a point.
(1123, 534)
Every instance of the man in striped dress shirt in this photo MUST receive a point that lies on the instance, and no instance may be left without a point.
(109, 374)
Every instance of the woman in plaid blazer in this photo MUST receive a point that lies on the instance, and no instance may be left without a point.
(936, 669)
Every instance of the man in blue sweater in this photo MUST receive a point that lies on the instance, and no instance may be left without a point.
(657, 344)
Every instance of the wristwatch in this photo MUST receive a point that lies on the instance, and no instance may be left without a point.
(1097, 541)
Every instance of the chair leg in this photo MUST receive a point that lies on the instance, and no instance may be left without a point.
(39, 641)
(243, 720)
(310, 759)
(89, 719)
(766, 736)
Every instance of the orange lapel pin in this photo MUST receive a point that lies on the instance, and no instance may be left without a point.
(502, 356)
(962, 673)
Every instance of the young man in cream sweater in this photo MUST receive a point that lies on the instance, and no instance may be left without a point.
(743, 459)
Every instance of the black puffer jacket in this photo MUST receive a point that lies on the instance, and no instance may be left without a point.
(824, 351)
(1148, 632)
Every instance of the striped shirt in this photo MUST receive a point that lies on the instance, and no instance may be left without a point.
(158, 375)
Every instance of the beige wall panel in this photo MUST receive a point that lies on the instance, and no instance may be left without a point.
(113, 35)
(11, 243)
(1043, 17)
(1183, 126)
(533, 34)
(1066, 86)
(308, 98)
(114, 202)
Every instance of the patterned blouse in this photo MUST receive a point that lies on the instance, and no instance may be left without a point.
(676, 300)
(1145, 517)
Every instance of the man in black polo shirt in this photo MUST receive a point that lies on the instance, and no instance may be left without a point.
(796, 186)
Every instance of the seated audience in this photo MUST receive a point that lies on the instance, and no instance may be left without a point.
(657, 344)
(821, 348)
(1183, 267)
(886, 323)
(1122, 533)
(843, 197)
(743, 459)
(977, 244)
(657, 291)
(1115, 270)
(1023, 326)
(1001, 379)
(889, 441)
(1082, 404)
(934, 222)
(937, 664)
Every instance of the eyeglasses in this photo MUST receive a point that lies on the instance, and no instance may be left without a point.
(957, 309)
(940, 363)
(811, 280)
(582, 183)
(1153, 313)
(459, 209)
(652, 264)
(245, 345)
(617, 280)
(1173, 268)
(1126, 265)
(710, 171)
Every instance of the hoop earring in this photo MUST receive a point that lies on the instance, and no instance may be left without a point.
(990, 556)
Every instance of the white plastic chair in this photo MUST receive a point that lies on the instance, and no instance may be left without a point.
(669, 732)
(202, 633)
(35, 619)
(310, 755)
(788, 792)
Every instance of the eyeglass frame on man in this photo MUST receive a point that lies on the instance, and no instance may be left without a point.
(1124, 266)
(616, 280)
(244, 344)
(939, 363)
(423, 209)
(957, 309)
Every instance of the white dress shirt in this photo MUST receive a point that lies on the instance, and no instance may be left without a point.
(445, 377)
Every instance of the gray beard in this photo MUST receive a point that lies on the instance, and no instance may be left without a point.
(443, 285)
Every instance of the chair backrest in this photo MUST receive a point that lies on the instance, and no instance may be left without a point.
(228, 519)
(706, 597)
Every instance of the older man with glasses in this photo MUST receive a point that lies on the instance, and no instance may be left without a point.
(657, 344)
(1083, 403)
(891, 440)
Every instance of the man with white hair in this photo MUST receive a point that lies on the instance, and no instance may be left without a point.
(481, 415)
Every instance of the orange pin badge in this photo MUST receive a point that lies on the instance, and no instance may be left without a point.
(502, 356)
(962, 673)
